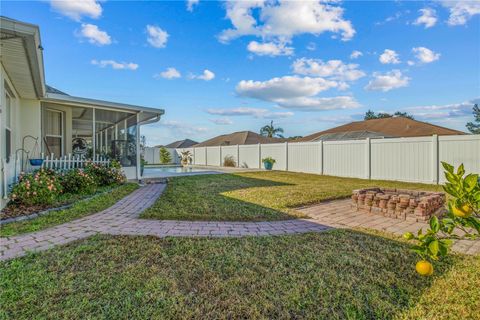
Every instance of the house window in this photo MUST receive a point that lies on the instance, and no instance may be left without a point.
(8, 131)
(54, 132)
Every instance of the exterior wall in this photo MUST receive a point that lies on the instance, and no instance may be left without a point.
(230, 151)
(404, 159)
(24, 120)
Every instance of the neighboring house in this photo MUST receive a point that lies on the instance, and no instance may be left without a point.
(394, 127)
(187, 143)
(240, 138)
(63, 124)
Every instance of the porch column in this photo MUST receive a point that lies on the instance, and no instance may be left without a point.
(94, 135)
(137, 129)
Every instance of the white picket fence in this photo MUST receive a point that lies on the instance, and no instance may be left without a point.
(401, 159)
(11, 169)
(71, 162)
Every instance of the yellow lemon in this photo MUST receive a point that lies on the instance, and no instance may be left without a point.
(424, 268)
(463, 212)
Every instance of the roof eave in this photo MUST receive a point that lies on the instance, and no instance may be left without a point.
(60, 98)
(30, 34)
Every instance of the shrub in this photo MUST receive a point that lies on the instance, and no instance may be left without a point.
(103, 175)
(229, 161)
(462, 221)
(41, 187)
(78, 181)
(165, 157)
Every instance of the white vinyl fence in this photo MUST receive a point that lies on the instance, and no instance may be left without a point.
(152, 155)
(402, 159)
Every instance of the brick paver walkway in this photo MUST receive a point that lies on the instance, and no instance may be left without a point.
(122, 219)
(338, 214)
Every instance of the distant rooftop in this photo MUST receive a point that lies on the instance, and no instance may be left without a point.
(393, 127)
(50, 89)
(186, 143)
(240, 138)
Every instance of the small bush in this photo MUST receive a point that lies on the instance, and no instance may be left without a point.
(77, 181)
(105, 176)
(229, 161)
(41, 187)
(165, 156)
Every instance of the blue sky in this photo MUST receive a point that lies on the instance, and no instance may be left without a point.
(218, 67)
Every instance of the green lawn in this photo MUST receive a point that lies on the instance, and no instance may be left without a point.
(338, 274)
(255, 196)
(78, 210)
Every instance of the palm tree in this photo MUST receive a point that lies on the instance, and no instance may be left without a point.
(270, 131)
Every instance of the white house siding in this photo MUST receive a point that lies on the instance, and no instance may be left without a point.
(24, 120)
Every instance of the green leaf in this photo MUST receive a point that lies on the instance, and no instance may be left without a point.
(447, 167)
(471, 181)
(408, 235)
(433, 247)
(451, 177)
(434, 224)
(461, 170)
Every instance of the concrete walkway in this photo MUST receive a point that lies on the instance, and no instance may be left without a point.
(122, 219)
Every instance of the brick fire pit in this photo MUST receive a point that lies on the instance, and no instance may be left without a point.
(399, 203)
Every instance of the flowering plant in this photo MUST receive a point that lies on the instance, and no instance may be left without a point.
(103, 175)
(37, 188)
(78, 181)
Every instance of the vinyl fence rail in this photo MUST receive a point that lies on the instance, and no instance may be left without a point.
(415, 159)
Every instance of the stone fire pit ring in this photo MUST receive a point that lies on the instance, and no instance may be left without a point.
(399, 203)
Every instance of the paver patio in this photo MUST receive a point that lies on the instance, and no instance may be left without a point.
(122, 219)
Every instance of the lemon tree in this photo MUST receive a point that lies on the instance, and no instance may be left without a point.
(462, 220)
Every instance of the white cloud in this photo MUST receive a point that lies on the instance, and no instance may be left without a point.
(182, 127)
(461, 11)
(389, 57)
(334, 69)
(170, 73)
(387, 81)
(94, 35)
(269, 49)
(284, 19)
(428, 18)
(115, 65)
(247, 111)
(356, 54)
(286, 87)
(311, 46)
(320, 104)
(156, 36)
(425, 55)
(295, 92)
(433, 112)
(207, 75)
(78, 8)
(191, 4)
(222, 121)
